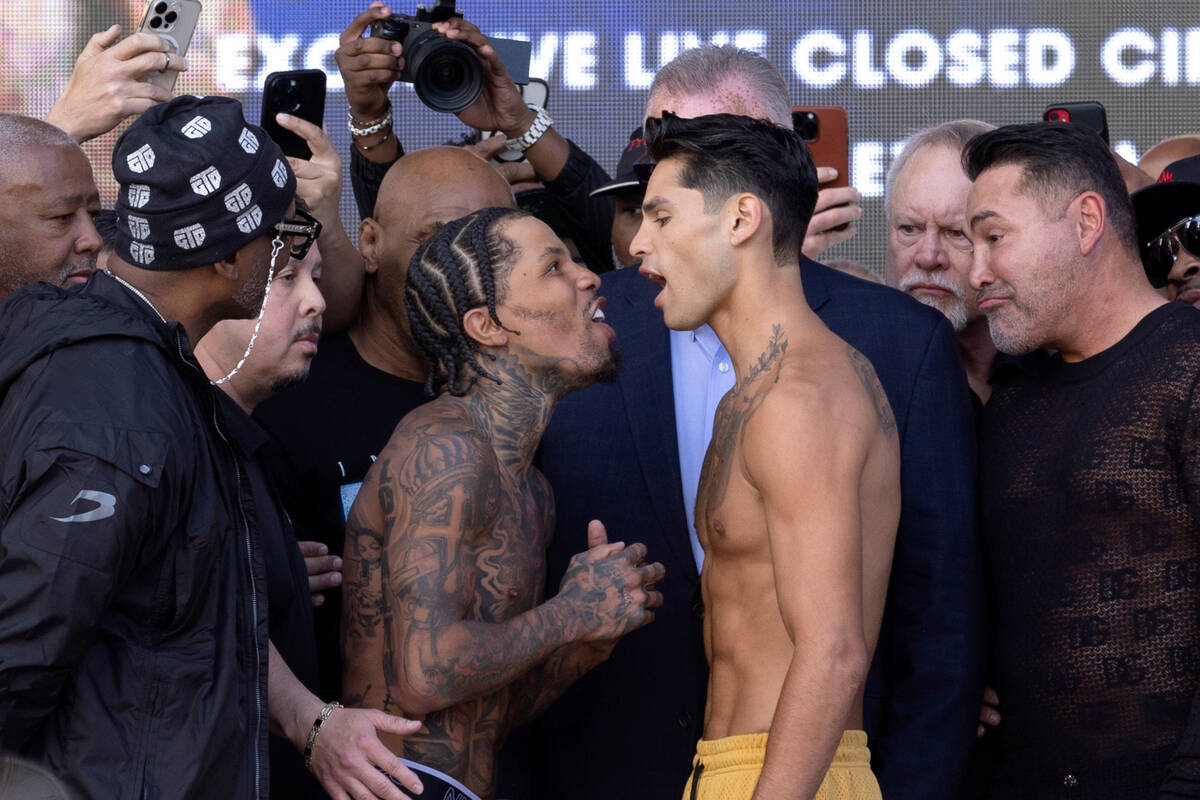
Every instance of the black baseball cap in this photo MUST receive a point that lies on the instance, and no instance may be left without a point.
(628, 177)
(1156, 208)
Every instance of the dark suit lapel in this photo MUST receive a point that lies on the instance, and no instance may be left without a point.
(645, 384)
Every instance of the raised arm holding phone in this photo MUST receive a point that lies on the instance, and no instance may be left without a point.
(107, 84)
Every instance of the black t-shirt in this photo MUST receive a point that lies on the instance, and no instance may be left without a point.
(1090, 501)
(289, 604)
(327, 432)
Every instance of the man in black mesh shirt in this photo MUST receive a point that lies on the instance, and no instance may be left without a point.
(1090, 478)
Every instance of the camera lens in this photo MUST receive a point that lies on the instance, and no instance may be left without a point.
(289, 96)
(171, 16)
(807, 126)
(160, 8)
(156, 22)
(446, 74)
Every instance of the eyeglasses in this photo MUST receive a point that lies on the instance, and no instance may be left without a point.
(1160, 253)
(304, 230)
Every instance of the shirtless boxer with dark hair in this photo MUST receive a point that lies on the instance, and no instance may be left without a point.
(799, 496)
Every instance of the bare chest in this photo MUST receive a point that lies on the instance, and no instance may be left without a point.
(729, 510)
(729, 514)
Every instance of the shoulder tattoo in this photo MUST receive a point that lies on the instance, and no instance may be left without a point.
(866, 374)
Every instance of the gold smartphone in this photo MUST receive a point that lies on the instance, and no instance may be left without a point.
(175, 21)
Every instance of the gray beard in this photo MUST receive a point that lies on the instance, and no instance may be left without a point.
(956, 311)
(1013, 345)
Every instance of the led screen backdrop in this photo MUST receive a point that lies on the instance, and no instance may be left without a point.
(895, 66)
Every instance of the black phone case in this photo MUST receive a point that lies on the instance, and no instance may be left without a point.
(299, 92)
(1089, 113)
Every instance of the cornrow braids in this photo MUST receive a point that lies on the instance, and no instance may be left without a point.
(464, 265)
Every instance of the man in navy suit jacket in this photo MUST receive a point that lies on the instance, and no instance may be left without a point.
(628, 729)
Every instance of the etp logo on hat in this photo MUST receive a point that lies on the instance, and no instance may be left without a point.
(203, 182)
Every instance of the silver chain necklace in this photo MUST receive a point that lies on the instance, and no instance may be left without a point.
(134, 289)
(276, 246)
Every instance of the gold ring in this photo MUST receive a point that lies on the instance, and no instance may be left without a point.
(168, 64)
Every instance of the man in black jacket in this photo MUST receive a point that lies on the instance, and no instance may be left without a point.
(133, 615)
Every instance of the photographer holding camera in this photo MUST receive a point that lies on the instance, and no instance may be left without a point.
(371, 64)
(369, 67)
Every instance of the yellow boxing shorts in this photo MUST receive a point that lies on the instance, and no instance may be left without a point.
(728, 769)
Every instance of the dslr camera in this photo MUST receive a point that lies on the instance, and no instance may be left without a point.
(446, 74)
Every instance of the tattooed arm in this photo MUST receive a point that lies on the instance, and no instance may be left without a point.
(540, 687)
(412, 576)
(806, 454)
(536, 690)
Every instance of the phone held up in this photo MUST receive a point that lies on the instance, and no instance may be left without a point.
(1090, 114)
(826, 131)
(300, 93)
(175, 21)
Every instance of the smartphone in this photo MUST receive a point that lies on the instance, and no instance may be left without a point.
(299, 92)
(175, 21)
(826, 131)
(534, 93)
(1090, 114)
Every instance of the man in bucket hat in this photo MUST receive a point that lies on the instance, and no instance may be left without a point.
(133, 619)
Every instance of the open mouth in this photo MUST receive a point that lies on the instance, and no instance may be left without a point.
(598, 310)
(647, 272)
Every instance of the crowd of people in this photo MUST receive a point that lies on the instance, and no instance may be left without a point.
(557, 484)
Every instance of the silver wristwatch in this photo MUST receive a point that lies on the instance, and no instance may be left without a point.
(541, 123)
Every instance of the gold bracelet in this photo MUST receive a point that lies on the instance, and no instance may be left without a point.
(315, 729)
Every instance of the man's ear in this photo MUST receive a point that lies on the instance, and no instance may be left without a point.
(480, 326)
(239, 266)
(230, 269)
(1091, 220)
(369, 235)
(745, 215)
